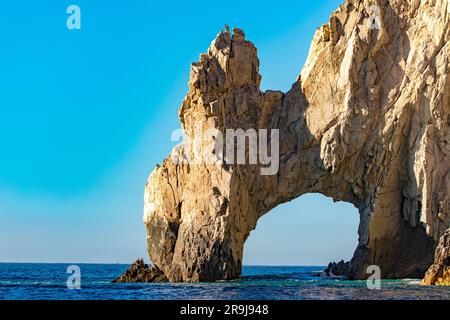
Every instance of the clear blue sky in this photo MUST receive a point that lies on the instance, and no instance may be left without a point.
(86, 114)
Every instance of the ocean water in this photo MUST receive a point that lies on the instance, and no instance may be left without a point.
(48, 281)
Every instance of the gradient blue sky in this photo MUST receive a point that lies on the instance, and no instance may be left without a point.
(86, 114)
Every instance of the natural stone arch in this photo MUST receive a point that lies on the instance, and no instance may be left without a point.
(366, 122)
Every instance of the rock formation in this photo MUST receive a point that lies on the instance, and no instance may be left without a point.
(439, 272)
(366, 122)
(139, 271)
(340, 269)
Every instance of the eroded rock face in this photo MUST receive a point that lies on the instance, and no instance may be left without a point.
(366, 122)
(439, 272)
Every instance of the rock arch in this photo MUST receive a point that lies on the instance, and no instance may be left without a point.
(366, 122)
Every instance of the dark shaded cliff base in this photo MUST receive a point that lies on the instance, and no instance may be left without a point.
(140, 272)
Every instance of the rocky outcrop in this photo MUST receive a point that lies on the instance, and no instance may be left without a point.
(340, 269)
(139, 271)
(439, 272)
(366, 122)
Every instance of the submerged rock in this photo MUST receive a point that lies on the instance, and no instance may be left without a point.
(366, 122)
(140, 272)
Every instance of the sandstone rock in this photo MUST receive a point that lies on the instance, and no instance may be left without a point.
(439, 272)
(140, 272)
(326, 32)
(366, 122)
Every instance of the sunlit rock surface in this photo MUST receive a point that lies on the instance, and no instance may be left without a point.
(366, 122)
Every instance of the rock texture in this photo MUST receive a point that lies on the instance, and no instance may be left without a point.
(366, 122)
(439, 272)
(140, 272)
(340, 269)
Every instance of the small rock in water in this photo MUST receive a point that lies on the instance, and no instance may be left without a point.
(341, 269)
(140, 272)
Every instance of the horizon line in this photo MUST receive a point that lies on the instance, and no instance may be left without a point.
(122, 263)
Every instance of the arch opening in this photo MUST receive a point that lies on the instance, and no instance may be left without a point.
(310, 230)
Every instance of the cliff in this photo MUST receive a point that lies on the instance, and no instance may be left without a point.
(366, 122)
